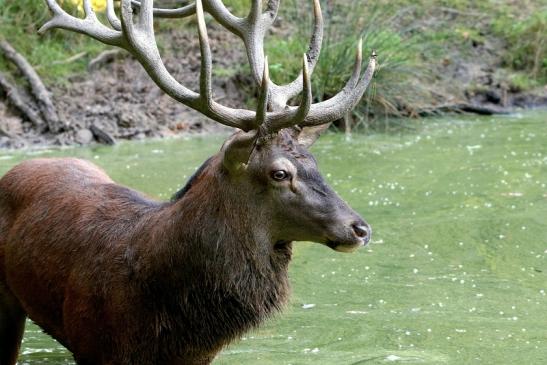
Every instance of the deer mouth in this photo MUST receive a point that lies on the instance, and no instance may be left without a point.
(349, 242)
(345, 246)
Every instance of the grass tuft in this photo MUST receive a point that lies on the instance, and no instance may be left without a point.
(527, 45)
(50, 53)
(345, 23)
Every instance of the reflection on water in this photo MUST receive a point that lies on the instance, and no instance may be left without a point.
(456, 273)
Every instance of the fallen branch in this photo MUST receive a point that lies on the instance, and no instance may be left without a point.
(15, 99)
(36, 85)
(74, 58)
(461, 108)
(460, 12)
(102, 135)
(103, 58)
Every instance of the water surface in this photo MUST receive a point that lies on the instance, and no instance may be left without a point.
(456, 273)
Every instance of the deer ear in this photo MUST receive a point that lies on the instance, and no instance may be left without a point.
(308, 135)
(237, 149)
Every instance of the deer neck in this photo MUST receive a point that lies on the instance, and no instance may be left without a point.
(219, 236)
(226, 222)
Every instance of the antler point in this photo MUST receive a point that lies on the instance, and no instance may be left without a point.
(305, 68)
(266, 77)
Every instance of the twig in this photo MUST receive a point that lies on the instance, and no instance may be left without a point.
(347, 125)
(103, 58)
(12, 94)
(102, 135)
(74, 58)
(36, 85)
(459, 12)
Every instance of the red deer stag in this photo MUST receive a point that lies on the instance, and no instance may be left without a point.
(119, 278)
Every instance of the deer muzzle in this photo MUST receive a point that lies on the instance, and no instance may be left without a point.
(351, 237)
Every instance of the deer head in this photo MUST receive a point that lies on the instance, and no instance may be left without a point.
(268, 156)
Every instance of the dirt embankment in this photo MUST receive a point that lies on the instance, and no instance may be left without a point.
(117, 100)
(471, 82)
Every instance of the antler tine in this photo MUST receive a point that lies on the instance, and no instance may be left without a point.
(181, 12)
(143, 46)
(296, 115)
(262, 108)
(88, 9)
(146, 16)
(255, 14)
(271, 9)
(317, 36)
(335, 108)
(281, 94)
(352, 82)
(215, 7)
(88, 26)
(206, 58)
(138, 39)
(137, 36)
(111, 15)
(130, 30)
(222, 15)
(250, 29)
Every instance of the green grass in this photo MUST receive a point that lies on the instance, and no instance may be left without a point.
(345, 23)
(402, 69)
(50, 54)
(527, 45)
(413, 39)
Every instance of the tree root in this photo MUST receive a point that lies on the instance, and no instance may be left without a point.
(13, 96)
(102, 135)
(103, 58)
(36, 86)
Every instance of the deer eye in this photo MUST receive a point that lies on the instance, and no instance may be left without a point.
(280, 175)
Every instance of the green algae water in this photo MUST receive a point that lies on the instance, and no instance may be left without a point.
(456, 272)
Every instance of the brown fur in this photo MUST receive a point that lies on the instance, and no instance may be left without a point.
(97, 265)
(119, 278)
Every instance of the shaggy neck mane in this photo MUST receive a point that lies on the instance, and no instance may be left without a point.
(180, 194)
(228, 271)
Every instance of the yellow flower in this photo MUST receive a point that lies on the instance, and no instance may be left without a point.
(98, 5)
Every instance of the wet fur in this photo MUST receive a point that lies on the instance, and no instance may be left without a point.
(119, 278)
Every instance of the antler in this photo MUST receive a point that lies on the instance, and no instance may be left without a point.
(136, 35)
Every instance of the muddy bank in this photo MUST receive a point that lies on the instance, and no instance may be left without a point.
(469, 77)
(116, 100)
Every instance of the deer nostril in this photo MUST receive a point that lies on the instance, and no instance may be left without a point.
(361, 231)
